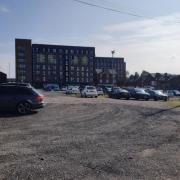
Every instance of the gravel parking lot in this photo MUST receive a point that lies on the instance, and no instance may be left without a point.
(86, 138)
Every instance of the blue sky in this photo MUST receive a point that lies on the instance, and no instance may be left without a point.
(146, 44)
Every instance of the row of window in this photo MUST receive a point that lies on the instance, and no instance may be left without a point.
(65, 51)
(51, 59)
(72, 79)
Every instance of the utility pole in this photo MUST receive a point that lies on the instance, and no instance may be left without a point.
(9, 70)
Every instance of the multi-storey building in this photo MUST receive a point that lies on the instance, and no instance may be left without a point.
(109, 70)
(40, 64)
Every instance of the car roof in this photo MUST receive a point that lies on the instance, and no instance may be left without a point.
(14, 86)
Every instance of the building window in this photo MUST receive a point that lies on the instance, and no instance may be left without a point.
(40, 58)
(51, 59)
(44, 78)
(60, 51)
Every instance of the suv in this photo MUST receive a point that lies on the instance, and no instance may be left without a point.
(89, 91)
(23, 99)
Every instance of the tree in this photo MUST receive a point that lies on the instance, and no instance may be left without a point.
(127, 74)
(136, 76)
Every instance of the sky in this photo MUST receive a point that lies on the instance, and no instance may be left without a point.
(150, 42)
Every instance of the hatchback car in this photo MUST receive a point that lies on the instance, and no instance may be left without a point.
(23, 99)
(118, 93)
(89, 91)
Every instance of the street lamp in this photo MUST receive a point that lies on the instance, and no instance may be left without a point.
(113, 52)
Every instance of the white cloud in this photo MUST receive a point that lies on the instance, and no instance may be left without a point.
(151, 44)
(4, 9)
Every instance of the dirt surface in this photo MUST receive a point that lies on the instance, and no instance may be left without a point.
(85, 138)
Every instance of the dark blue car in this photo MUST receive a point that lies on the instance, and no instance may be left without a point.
(23, 99)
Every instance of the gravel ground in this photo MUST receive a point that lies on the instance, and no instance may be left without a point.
(85, 138)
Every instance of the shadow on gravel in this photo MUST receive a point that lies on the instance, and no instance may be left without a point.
(161, 111)
(6, 114)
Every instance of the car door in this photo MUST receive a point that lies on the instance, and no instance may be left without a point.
(6, 98)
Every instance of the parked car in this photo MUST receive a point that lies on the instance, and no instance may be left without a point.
(89, 91)
(118, 93)
(100, 91)
(158, 95)
(51, 87)
(107, 89)
(64, 88)
(72, 90)
(23, 99)
(176, 93)
(170, 93)
(138, 93)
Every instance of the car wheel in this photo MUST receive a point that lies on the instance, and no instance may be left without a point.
(165, 99)
(147, 99)
(155, 99)
(127, 98)
(24, 108)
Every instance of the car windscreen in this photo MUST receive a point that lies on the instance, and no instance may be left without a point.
(140, 91)
(176, 92)
(159, 92)
(90, 88)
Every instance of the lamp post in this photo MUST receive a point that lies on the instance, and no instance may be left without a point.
(113, 52)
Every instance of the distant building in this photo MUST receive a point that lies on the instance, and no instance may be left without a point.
(109, 70)
(41, 63)
(3, 77)
(23, 54)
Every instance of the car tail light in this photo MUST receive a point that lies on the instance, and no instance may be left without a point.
(40, 98)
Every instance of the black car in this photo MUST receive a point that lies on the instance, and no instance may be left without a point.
(118, 93)
(157, 95)
(107, 89)
(138, 93)
(23, 99)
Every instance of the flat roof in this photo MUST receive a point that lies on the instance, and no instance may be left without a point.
(63, 46)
